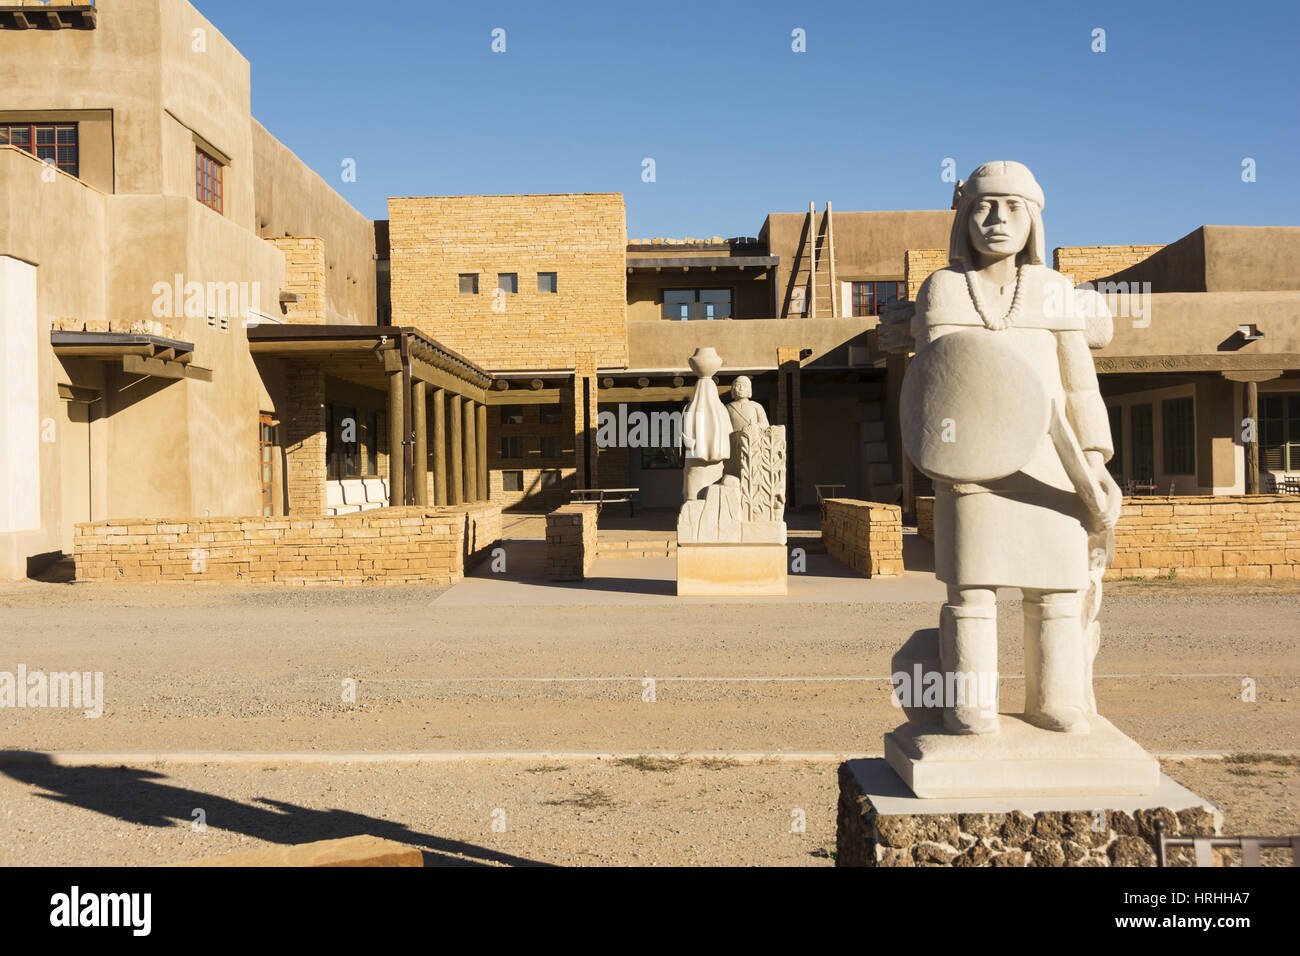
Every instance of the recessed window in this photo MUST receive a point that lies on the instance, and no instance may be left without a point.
(512, 446)
(870, 297)
(551, 479)
(1178, 436)
(469, 283)
(208, 176)
(684, 304)
(1279, 437)
(54, 143)
(512, 414)
(350, 442)
(508, 281)
(547, 281)
(512, 481)
(552, 414)
(552, 446)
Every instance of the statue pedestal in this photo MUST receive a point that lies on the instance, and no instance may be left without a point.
(1020, 760)
(881, 823)
(731, 569)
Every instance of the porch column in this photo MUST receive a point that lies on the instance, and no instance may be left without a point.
(304, 438)
(439, 446)
(789, 414)
(1252, 447)
(457, 463)
(471, 451)
(421, 471)
(585, 388)
(481, 433)
(396, 435)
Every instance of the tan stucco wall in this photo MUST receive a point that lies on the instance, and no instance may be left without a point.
(292, 200)
(744, 344)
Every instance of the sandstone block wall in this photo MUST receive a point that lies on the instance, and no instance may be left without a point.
(1210, 536)
(387, 546)
(918, 264)
(305, 274)
(1089, 263)
(865, 535)
(570, 541)
(582, 237)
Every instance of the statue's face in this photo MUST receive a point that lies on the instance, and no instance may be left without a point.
(999, 225)
(741, 388)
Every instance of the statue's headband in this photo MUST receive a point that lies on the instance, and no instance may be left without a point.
(1002, 178)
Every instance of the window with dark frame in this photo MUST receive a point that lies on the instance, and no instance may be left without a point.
(512, 481)
(468, 283)
(551, 478)
(508, 282)
(551, 413)
(266, 461)
(55, 143)
(1116, 464)
(552, 446)
(687, 304)
(547, 282)
(1279, 433)
(208, 175)
(870, 297)
(512, 414)
(342, 458)
(1178, 436)
(512, 446)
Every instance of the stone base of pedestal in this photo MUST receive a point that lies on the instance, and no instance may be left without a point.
(1020, 760)
(723, 570)
(881, 823)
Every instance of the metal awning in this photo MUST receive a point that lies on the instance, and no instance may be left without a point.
(140, 354)
(53, 16)
(703, 262)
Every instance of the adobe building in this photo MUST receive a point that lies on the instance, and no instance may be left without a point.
(227, 336)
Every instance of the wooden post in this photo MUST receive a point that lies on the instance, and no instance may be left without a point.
(1252, 447)
(471, 452)
(457, 464)
(830, 252)
(439, 446)
(484, 492)
(812, 252)
(396, 435)
(421, 470)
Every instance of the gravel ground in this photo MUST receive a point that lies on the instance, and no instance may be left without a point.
(635, 812)
(258, 669)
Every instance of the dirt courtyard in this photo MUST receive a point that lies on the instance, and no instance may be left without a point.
(764, 701)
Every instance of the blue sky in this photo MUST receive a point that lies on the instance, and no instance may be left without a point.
(1141, 143)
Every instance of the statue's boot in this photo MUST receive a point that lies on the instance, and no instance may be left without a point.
(1055, 696)
(968, 645)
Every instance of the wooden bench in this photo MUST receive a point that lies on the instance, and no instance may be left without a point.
(607, 496)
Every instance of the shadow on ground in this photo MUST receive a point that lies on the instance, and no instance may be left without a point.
(139, 796)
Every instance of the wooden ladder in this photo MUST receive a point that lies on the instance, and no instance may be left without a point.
(815, 268)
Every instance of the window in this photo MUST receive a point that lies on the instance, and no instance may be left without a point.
(512, 446)
(547, 282)
(512, 414)
(207, 180)
(1142, 443)
(685, 304)
(512, 481)
(508, 282)
(551, 479)
(1279, 432)
(265, 456)
(468, 283)
(870, 297)
(552, 446)
(1178, 431)
(55, 143)
(552, 414)
(342, 449)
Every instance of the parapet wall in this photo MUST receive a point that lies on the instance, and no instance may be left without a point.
(1208, 536)
(386, 546)
(865, 535)
(570, 541)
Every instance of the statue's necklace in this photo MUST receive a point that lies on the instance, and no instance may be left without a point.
(977, 300)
